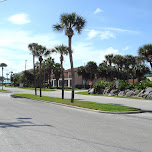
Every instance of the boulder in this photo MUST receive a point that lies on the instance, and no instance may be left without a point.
(148, 89)
(91, 91)
(121, 93)
(149, 96)
(101, 91)
(130, 93)
(141, 93)
(136, 92)
(114, 92)
(107, 91)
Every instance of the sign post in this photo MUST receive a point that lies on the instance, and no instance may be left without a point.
(90, 83)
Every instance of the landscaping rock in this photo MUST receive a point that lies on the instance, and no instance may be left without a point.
(91, 91)
(121, 93)
(136, 92)
(130, 93)
(114, 92)
(141, 93)
(101, 91)
(149, 96)
(106, 91)
(148, 89)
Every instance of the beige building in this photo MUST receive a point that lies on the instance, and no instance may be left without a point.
(67, 79)
(78, 80)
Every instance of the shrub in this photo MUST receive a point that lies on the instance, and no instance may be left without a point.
(143, 84)
(125, 85)
(102, 85)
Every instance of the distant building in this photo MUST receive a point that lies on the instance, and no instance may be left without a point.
(67, 79)
(149, 76)
(79, 82)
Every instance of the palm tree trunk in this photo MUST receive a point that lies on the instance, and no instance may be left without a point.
(2, 78)
(40, 81)
(72, 70)
(62, 71)
(34, 75)
(44, 76)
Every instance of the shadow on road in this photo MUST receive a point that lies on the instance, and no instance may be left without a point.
(21, 122)
(146, 111)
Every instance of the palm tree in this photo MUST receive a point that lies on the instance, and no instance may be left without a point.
(37, 51)
(119, 61)
(3, 65)
(146, 52)
(129, 61)
(57, 72)
(63, 50)
(69, 23)
(49, 67)
(109, 58)
(91, 68)
(32, 48)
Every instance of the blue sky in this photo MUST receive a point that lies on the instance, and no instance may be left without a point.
(118, 27)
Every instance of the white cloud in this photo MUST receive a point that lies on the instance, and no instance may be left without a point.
(101, 34)
(92, 34)
(85, 52)
(19, 19)
(98, 10)
(14, 47)
(126, 48)
(106, 35)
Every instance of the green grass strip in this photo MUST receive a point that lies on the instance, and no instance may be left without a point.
(84, 104)
(2, 90)
(46, 89)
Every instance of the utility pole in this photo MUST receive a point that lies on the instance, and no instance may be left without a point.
(25, 64)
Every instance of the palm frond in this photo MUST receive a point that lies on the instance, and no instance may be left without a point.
(58, 27)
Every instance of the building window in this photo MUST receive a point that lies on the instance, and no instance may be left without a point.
(55, 83)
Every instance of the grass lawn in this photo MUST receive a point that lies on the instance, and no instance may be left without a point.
(84, 104)
(46, 89)
(2, 90)
(68, 89)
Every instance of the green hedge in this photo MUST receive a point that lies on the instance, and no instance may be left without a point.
(123, 85)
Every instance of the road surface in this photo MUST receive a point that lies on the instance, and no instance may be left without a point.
(36, 126)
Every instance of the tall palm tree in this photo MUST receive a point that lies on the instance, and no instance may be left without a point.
(63, 50)
(3, 65)
(146, 52)
(69, 23)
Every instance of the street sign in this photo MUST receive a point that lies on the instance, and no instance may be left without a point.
(90, 82)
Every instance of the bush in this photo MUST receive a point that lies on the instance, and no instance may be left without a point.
(123, 85)
(143, 84)
(102, 85)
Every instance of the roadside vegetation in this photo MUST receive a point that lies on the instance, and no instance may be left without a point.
(84, 104)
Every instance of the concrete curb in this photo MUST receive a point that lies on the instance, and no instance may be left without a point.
(98, 111)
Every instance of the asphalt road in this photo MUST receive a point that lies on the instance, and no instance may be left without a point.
(36, 126)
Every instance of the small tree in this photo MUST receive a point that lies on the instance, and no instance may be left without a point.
(62, 50)
(57, 72)
(91, 68)
(82, 71)
(3, 65)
